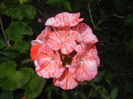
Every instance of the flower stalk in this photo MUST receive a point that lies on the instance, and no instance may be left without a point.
(3, 32)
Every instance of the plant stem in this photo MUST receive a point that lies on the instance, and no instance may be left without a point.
(3, 32)
(91, 16)
(40, 13)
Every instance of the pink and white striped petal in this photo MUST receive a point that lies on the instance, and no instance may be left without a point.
(86, 69)
(54, 44)
(50, 69)
(66, 81)
(85, 64)
(64, 19)
(68, 46)
(42, 37)
(49, 63)
(62, 39)
(85, 34)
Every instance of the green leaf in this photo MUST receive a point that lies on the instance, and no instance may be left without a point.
(129, 24)
(29, 12)
(109, 77)
(51, 88)
(104, 93)
(114, 93)
(92, 92)
(14, 13)
(130, 97)
(9, 54)
(18, 13)
(82, 95)
(11, 1)
(23, 1)
(28, 70)
(130, 45)
(17, 80)
(2, 43)
(12, 79)
(129, 21)
(16, 30)
(84, 83)
(64, 95)
(99, 76)
(63, 3)
(67, 5)
(21, 46)
(6, 95)
(54, 2)
(3, 7)
(6, 68)
(34, 87)
(129, 87)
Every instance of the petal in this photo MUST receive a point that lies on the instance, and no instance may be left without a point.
(49, 64)
(87, 69)
(67, 47)
(64, 19)
(72, 35)
(50, 70)
(45, 50)
(86, 64)
(92, 51)
(54, 41)
(85, 34)
(53, 44)
(80, 48)
(33, 51)
(42, 37)
(68, 43)
(45, 53)
(66, 81)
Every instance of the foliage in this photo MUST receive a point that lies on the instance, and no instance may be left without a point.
(63, 3)
(16, 78)
(112, 22)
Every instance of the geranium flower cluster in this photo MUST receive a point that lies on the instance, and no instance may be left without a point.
(66, 51)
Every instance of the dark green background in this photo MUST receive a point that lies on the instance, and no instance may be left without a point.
(111, 22)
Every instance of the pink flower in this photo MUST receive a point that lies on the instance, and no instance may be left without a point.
(86, 65)
(64, 19)
(66, 51)
(43, 37)
(33, 51)
(66, 81)
(63, 39)
(85, 34)
(48, 64)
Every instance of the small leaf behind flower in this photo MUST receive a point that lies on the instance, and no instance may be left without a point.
(114, 93)
(34, 87)
(16, 30)
(12, 79)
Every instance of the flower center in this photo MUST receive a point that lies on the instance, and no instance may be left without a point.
(66, 59)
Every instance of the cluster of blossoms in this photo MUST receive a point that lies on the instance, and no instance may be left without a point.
(66, 51)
